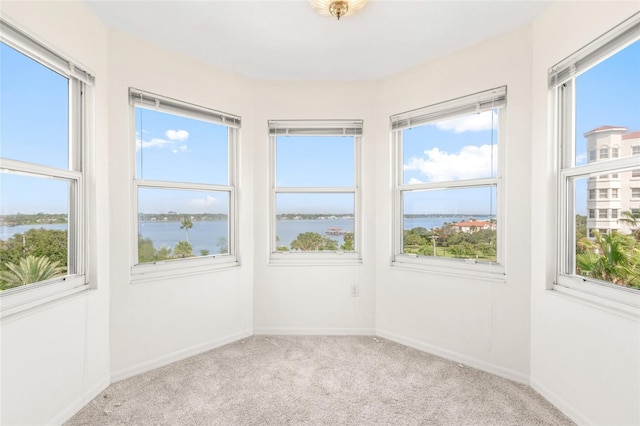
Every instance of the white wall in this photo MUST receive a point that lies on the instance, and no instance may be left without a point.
(155, 323)
(313, 299)
(56, 358)
(481, 323)
(584, 358)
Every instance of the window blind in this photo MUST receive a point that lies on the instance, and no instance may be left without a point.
(476, 103)
(606, 45)
(150, 100)
(315, 128)
(14, 38)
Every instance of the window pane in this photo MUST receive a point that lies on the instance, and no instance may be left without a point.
(34, 116)
(314, 161)
(453, 223)
(606, 246)
(315, 222)
(460, 148)
(175, 148)
(608, 106)
(33, 229)
(174, 224)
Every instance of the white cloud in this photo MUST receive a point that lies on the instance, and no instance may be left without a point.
(154, 142)
(207, 201)
(177, 135)
(581, 159)
(413, 180)
(470, 163)
(469, 123)
(181, 148)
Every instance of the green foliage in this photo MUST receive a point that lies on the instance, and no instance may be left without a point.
(30, 269)
(204, 252)
(347, 244)
(186, 224)
(447, 241)
(312, 241)
(183, 249)
(223, 246)
(49, 243)
(610, 257)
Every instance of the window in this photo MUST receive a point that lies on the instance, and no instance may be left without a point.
(592, 155)
(592, 194)
(604, 153)
(184, 187)
(635, 150)
(602, 213)
(592, 213)
(635, 173)
(315, 190)
(587, 112)
(614, 175)
(615, 152)
(448, 184)
(42, 184)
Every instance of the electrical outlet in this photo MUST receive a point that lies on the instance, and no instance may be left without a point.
(354, 290)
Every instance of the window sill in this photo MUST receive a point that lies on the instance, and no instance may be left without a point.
(452, 267)
(314, 259)
(24, 298)
(158, 271)
(616, 300)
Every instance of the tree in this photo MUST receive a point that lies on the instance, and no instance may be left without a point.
(186, 224)
(632, 218)
(49, 243)
(223, 246)
(30, 269)
(312, 241)
(348, 242)
(610, 257)
(183, 249)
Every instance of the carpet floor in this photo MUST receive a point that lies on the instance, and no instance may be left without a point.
(337, 380)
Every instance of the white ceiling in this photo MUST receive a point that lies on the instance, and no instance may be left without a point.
(288, 40)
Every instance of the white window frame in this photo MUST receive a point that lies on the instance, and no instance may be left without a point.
(316, 128)
(562, 93)
(478, 102)
(151, 271)
(81, 83)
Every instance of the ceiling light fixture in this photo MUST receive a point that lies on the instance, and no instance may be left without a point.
(337, 8)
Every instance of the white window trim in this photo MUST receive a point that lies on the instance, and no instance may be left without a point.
(562, 95)
(482, 101)
(316, 128)
(154, 271)
(23, 298)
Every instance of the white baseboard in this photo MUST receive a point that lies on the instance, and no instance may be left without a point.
(161, 361)
(559, 403)
(79, 403)
(507, 373)
(294, 331)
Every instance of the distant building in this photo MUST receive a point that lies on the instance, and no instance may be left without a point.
(609, 195)
(473, 226)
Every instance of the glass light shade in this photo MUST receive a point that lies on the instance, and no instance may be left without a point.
(337, 8)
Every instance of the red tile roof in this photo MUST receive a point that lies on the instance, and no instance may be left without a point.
(476, 223)
(633, 135)
(605, 128)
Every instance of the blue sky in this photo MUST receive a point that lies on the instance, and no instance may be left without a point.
(33, 117)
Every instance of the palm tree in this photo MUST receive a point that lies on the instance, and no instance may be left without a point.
(29, 270)
(610, 257)
(186, 224)
(632, 218)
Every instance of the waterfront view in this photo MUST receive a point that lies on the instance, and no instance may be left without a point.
(207, 235)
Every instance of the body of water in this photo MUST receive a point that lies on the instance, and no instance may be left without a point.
(212, 235)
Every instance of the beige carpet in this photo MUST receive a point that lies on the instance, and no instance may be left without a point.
(317, 380)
